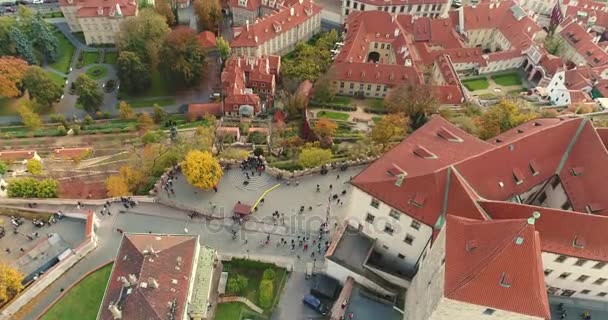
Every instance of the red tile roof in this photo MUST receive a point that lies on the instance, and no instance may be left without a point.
(70, 153)
(495, 264)
(15, 155)
(201, 109)
(171, 265)
(207, 39)
(270, 26)
(577, 37)
(552, 64)
(102, 8)
(558, 228)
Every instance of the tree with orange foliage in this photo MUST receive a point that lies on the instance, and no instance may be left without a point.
(325, 127)
(183, 57)
(12, 71)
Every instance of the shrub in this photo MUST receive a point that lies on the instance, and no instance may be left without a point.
(266, 293)
(61, 131)
(258, 151)
(269, 274)
(257, 138)
(237, 283)
(312, 157)
(106, 115)
(88, 120)
(34, 166)
(32, 188)
(3, 167)
(234, 154)
(75, 129)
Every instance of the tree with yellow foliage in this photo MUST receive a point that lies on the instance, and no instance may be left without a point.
(502, 117)
(34, 167)
(125, 111)
(390, 127)
(145, 122)
(10, 282)
(201, 169)
(117, 186)
(325, 127)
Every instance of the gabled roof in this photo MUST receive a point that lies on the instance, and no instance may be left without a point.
(558, 228)
(170, 265)
(496, 264)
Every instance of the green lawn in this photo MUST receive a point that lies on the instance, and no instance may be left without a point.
(90, 58)
(236, 311)
(67, 51)
(507, 79)
(160, 86)
(97, 72)
(476, 84)
(150, 102)
(59, 80)
(83, 300)
(345, 101)
(110, 57)
(333, 115)
(253, 271)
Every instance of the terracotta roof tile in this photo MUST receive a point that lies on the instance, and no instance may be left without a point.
(495, 264)
(577, 37)
(15, 155)
(102, 8)
(201, 109)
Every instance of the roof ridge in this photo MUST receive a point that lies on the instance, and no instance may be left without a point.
(483, 263)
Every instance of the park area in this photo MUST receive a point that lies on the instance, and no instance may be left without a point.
(507, 79)
(261, 283)
(83, 300)
(476, 84)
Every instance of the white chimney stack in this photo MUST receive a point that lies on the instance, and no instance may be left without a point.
(291, 11)
(132, 279)
(118, 10)
(396, 32)
(461, 20)
(116, 313)
(247, 25)
(153, 283)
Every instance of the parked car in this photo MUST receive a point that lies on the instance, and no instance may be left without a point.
(315, 304)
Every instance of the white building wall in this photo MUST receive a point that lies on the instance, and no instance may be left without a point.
(432, 10)
(501, 65)
(390, 245)
(557, 91)
(570, 273)
(542, 7)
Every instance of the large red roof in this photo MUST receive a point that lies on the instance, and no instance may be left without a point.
(102, 8)
(495, 263)
(170, 265)
(577, 37)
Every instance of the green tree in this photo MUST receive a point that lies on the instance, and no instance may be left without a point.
(390, 127)
(209, 14)
(89, 93)
(28, 187)
(201, 169)
(44, 39)
(554, 44)
(88, 120)
(144, 35)
(312, 157)
(310, 61)
(7, 46)
(47, 188)
(223, 48)
(266, 293)
(159, 114)
(125, 111)
(324, 89)
(23, 46)
(3, 167)
(41, 87)
(183, 57)
(25, 17)
(34, 167)
(415, 101)
(29, 118)
(134, 75)
(237, 283)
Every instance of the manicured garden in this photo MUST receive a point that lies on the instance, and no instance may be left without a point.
(97, 72)
(507, 79)
(90, 58)
(261, 283)
(333, 115)
(236, 311)
(476, 84)
(67, 51)
(83, 300)
(110, 57)
(150, 102)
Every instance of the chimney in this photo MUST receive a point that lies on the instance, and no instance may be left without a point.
(461, 20)
(247, 25)
(256, 39)
(300, 1)
(153, 283)
(116, 313)
(132, 279)
(396, 34)
(118, 11)
(291, 11)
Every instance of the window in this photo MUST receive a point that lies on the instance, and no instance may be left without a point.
(369, 87)
(394, 214)
(409, 239)
(382, 46)
(582, 278)
(400, 256)
(568, 293)
(378, 87)
(370, 218)
(602, 294)
(352, 85)
(532, 169)
(375, 203)
(580, 262)
(341, 84)
(548, 272)
(362, 7)
(263, 85)
(599, 265)
(393, 9)
(599, 281)
(415, 225)
(564, 275)
(489, 312)
(355, 5)
(375, 45)
(389, 229)
(402, 9)
(346, 12)
(388, 46)
(348, 3)
(385, 88)
(585, 291)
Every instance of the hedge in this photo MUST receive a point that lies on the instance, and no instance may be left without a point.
(32, 188)
(333, 106)
(375, 110)
(266, 293)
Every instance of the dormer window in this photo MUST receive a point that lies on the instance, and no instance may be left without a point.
(471, 245)
(505, 280)
(423, 152)
(243, 3)
(532, 166)
(576, 171)
(518, 177)
(418, 200)
(578, 242)
(448, 135)
(593, 208)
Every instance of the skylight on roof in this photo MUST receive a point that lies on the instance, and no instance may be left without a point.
(505, 280)
(518, 177)
(578, 242)
(423, 152)
(448, 135)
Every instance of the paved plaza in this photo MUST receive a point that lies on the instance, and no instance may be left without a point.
(217, 233)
